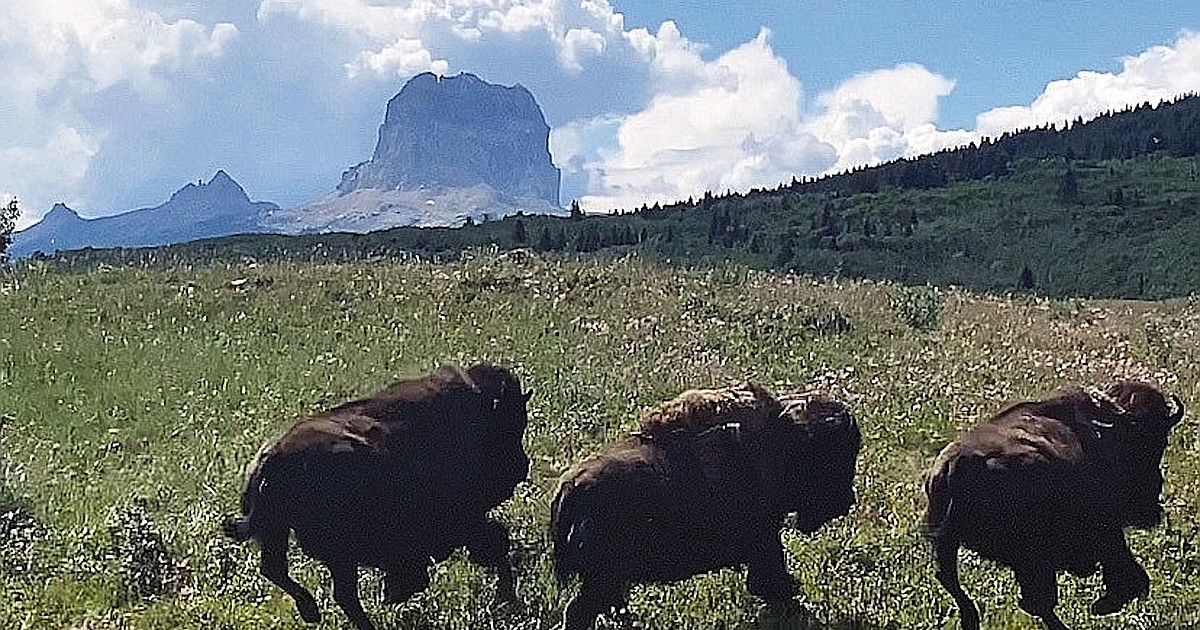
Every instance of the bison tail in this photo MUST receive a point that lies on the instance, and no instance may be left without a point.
(244, 528)
(237, 528)
(564, 530)
(941, 500)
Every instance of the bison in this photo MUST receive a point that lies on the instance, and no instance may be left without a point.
(392, 481)
(706, 483)
(1050, 486)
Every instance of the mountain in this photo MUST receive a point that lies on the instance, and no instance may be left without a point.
(219, 207)
(449, 148)
(458, 132)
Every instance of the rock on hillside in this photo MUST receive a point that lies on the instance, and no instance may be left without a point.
(219, 207)
(458, 132)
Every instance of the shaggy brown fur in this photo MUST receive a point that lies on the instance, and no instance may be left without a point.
(693, 411)
(1048, 486)
(704, 485)
(391, 481)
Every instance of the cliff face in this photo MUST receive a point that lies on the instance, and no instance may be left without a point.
(458, 132)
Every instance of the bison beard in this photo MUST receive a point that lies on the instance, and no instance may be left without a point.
(390, 482)
(1050, 486)
(705, 484)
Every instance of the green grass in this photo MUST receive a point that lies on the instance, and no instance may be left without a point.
(135, 397)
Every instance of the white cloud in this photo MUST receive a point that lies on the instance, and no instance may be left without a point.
(732, 123)
(59, 57)
(112, 41)
(882, 115)
(396, 38)
(1159, 73)
(405, 57)
(579, 43)
(59, 165)
(736, 122)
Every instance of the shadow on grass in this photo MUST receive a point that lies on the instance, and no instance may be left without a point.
(795, 616)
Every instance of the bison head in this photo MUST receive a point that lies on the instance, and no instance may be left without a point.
(504, 417)
(811, 461)
(1139, 432)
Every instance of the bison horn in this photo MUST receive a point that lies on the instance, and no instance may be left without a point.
(1174, 418)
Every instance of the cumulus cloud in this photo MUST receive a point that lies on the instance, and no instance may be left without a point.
(882, 115)
(1159, 73)
(57, 56)
(400, 38)
(731, 123)
(123, 96)
(57, 165)
(739, 121)
(110, 42)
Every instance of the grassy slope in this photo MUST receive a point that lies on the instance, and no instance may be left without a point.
(158, 386)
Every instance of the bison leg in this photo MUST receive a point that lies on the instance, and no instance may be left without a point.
(345, 593)
(946, 552)
(595, 598)
(404, 580)
(766, 572)
(488, 546)
(274, 566)
(1039, 594)
(1124, 579)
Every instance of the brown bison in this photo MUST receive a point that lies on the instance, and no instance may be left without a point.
(705, 484)
(1050, 486)
(391, 481)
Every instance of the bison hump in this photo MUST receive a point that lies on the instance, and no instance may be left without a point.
(338, 433)
(749, 406)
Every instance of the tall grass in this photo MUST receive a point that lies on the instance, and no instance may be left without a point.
(133, 399)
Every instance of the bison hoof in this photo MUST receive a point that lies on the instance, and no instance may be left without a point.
(776, 590)
(308, 611)
(1110, 604)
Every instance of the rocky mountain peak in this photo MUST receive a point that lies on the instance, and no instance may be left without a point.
(60, 212)
(458, 132)
(221, 189)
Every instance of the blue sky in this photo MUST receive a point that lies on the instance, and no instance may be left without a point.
(112, 106)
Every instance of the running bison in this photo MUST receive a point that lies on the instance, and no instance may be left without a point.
(391, 481)
(705, 484)
(1050, 486)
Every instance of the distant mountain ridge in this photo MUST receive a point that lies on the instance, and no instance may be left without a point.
(219, 207)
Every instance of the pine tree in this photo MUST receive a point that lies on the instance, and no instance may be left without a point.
(518, 232)
(1027, 281)
(8, 223)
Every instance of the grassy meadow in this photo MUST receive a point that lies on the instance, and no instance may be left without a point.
(133, 398)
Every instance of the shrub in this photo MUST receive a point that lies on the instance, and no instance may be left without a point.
(147, 567)
(19, 530)
(918, 307)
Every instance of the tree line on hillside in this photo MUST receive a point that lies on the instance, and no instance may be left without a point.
(1170, 128)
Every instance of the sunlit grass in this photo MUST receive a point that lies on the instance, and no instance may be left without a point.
(127, 389)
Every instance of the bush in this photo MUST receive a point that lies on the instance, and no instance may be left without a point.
(918, 307)
(147, 568)
(19, 530)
